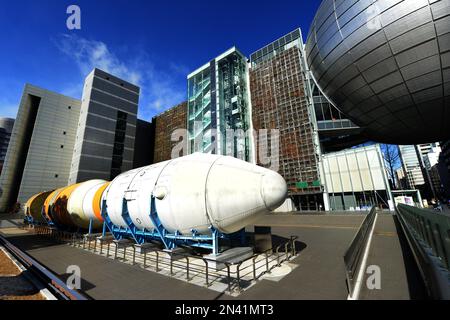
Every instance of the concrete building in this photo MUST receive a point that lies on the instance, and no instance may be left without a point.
(281, 99)
(6, 127)
(444, 168)
(166, 124)
(218, 107)
(431, 155)
(144, 144)
(411, 166)
(356, 179)
(104, 145)
(41, 145)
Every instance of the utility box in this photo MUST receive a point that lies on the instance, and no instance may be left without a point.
(263, 239)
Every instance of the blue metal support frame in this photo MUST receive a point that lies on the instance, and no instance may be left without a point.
(160, 233)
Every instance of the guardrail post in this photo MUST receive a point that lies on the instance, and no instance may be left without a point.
(171, 264)
(228, 276)
(254, 268)
(207, 272)
(187, 268)
(238, 277)
(145, 258)
(157, 260)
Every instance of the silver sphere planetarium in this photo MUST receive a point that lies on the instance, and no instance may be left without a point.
(386, 65)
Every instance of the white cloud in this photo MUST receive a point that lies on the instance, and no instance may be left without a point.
(90, 54)
(159, 89)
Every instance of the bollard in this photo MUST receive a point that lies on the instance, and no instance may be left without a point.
(157, 261)
(124, 253)
(101, 245)
(115, 251)
(107, 252)
(134, 255)
(145, 258)
(267, 262)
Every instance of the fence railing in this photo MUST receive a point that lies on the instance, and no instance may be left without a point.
(353, 255)
(428, 234)
(47, 278)
(197, 269)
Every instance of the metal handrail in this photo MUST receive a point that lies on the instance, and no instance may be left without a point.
(353, 255)
(428, 235)
(53, 283)
(194, 269)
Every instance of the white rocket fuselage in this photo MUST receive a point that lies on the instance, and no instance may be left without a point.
(196, 192)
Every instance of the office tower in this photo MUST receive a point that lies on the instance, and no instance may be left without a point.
(166, 124)
(218, 107)
(6, 127)
(40, 150)
(281, 98)
(411, 166)
(104, 145)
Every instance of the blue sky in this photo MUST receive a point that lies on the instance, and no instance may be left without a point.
(152, 43)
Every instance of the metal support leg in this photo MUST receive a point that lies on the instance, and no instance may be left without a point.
(215, 241)
(104, 230)
(90, 226)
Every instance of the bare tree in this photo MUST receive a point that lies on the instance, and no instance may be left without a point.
(391, 156)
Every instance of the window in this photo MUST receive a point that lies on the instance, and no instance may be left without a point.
(56, 175)
(69, 107)
(64, 132)
(62, 147)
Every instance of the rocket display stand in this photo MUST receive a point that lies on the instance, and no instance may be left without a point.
(169, 240)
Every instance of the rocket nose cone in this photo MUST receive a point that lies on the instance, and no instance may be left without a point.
(273, 189)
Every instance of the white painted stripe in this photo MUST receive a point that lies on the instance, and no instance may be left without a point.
(362, 268)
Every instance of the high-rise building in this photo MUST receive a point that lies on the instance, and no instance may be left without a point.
(41, 145)
(218, 107)
(166, 125)
(104, 144)
(411, 166)
(281, 98)
(6, 127)
(444, 168)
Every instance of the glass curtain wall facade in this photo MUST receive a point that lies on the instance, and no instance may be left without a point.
(282, 99)
(218, 107)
